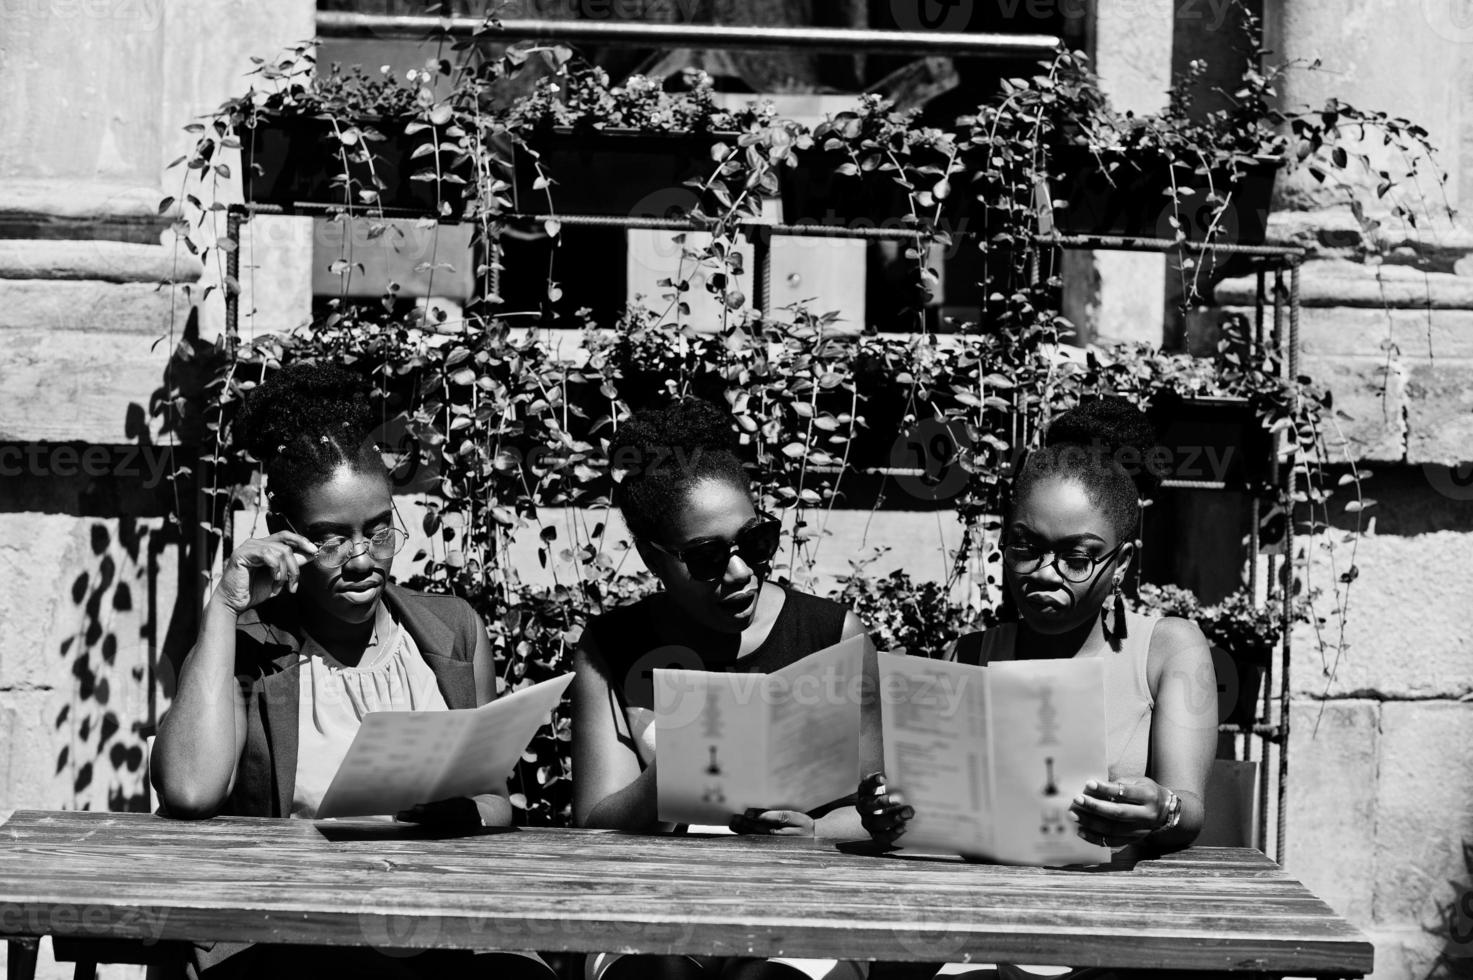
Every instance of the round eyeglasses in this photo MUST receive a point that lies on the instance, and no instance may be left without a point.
(1073, 566)
(381, 545)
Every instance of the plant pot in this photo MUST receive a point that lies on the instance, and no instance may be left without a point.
(1239, 684)
(299, 163)
(614, 172)
(817, 192)
(1131, 196)
(1209, 444)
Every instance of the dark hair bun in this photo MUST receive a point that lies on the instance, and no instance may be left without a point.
(661, 453)
(1115, 428)
(689, 425)
(1110, 423)
(304, 400)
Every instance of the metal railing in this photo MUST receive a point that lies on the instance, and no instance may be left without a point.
(644, 35)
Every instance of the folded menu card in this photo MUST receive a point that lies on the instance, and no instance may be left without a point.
(990, 757)
(400, 758)
(787, 740)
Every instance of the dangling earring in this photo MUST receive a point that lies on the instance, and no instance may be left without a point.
(1118, 630)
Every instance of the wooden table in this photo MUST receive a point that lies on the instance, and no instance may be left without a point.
(144, 877)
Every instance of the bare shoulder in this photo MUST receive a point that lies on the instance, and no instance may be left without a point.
(1178, 642)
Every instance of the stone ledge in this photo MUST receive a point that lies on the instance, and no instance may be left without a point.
(74, 209)
(78, 385)
(1347, 331)
(1342, 283)
(84, 306)
(102, 261)
(1436, 245)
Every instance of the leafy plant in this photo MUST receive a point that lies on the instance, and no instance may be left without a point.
(505, 435)
(904, 616)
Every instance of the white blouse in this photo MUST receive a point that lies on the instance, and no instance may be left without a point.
(333, 698)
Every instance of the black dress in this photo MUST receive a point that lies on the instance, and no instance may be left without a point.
(628, 640)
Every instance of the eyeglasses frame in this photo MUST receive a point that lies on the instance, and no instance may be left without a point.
(367, 540)
(1053, 563)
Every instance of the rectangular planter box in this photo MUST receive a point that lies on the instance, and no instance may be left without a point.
(816, 193)
(1129, 196)
(615, 172)
(1213, 443)
(295, 163)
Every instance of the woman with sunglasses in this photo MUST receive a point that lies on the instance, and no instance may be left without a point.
(688, 504)
(1067, 547)
(304, 635)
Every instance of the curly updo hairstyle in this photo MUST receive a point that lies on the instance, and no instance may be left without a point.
(304, 423)
(660, 454)
(1101, 445)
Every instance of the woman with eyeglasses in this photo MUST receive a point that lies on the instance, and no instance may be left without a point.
(687, 502)
(1067, 548)
(304, 635)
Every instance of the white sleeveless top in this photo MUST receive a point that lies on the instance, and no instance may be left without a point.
(1128, 700)
(333, 698)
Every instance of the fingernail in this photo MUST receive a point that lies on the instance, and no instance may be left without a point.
(1079, 801)
(907, 812)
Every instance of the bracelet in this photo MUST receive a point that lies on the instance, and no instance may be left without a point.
(1171, 816)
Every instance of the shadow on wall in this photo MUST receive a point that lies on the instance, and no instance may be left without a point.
(101, 730)
(1455, 926)
(129, 614)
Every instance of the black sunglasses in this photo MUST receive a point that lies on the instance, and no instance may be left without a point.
(756, 544)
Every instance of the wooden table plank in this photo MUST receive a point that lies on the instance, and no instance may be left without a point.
(135, 875)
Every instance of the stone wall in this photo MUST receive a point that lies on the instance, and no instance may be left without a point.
(98, 588)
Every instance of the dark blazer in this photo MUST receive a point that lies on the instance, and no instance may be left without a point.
(267, 654)
(268, 643)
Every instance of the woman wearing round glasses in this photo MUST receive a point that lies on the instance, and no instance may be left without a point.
(304, 635)
(1067, 546)
(688, 504)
